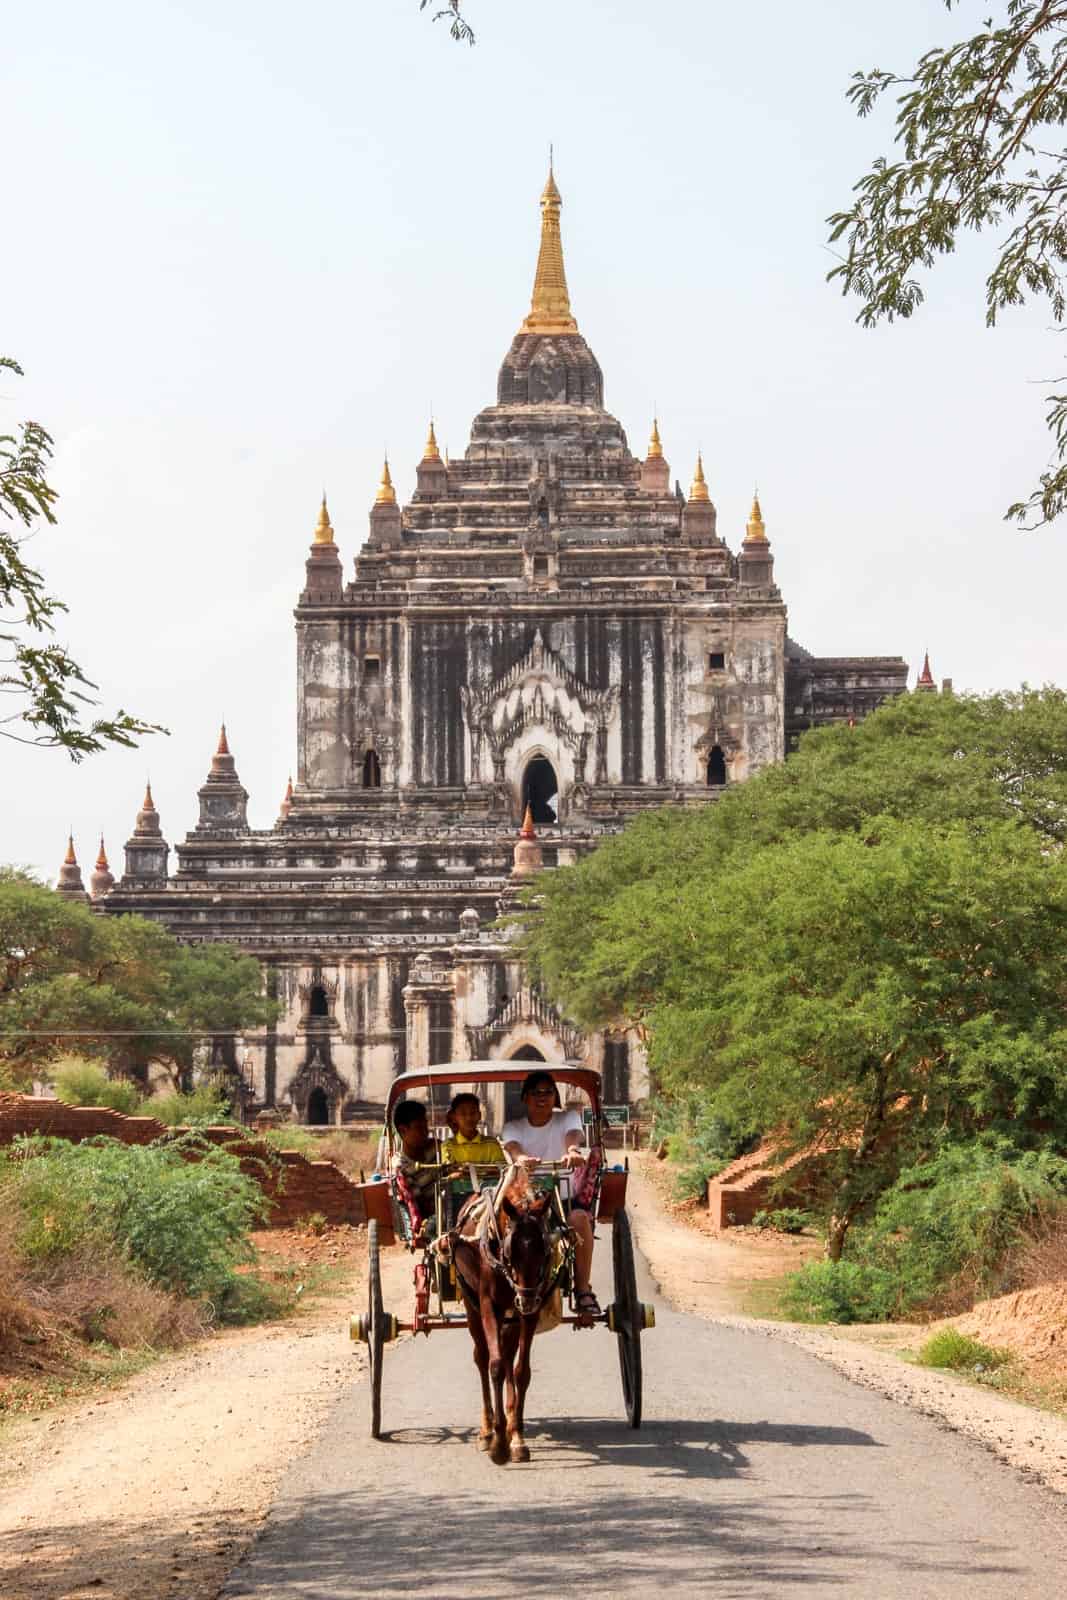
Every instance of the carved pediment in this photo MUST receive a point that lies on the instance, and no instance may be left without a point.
(526, 1006)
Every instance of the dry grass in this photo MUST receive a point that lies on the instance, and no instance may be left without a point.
(352, 1152)
(50, 1315)
(1043, 1259)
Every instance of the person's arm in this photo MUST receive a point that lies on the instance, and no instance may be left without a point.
(573, 1141)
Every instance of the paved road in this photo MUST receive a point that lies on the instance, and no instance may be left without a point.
(758, 1472)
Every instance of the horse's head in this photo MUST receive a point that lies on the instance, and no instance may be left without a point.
(526, 1253)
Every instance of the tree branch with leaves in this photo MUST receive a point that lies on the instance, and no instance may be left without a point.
(976, 130)
(45, 688)
(458, 27)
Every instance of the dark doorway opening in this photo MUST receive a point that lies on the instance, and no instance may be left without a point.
(372, 770)
(540, 791)
(513, 1105)
(318, 1111)
(320, 1005)
(716, 767)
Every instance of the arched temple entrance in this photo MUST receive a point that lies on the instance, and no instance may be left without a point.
(716, 767)
(540, 791)
(318, 1111)
(513, 1106)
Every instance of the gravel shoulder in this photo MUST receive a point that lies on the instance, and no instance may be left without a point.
(152, 1491)
(706, 1275)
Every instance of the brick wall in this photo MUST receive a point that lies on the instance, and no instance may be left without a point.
(746, 1185)
(296, 1187)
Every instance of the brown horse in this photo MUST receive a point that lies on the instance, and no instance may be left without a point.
(505, 1276)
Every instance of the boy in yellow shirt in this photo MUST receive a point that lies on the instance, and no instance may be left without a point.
(467, 1144)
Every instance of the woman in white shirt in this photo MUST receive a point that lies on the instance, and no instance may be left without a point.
(547, 1133)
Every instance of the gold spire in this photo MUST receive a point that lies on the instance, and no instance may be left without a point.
(323, 530)
(431, 452)
(755, 532)
(224, 748)
(101, 860)
(698, 489)
(386, 495)
(655, 448)
(70, 859)
(528, 831)
(550, 306)
(147, 804)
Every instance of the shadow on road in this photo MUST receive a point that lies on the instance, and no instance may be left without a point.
(494, 1547)
(664, 1449)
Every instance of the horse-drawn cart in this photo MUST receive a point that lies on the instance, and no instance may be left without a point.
(444, 1298)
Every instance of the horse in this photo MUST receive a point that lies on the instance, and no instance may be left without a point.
(505, 1276)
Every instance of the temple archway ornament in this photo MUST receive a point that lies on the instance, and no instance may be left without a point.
(527, 1017)
(539, 702)
(317, 1074)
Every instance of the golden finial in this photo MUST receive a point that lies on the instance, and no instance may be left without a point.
(698, 489)
(655, 448)
(550, 306)
(431, 452)
(101, 860)
(528, 831)
(386, 495)
(323, 530)
(147, 804)
(755, 533)
(70, 859)
(224, 748)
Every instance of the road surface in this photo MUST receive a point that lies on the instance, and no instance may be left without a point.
(758, 1471)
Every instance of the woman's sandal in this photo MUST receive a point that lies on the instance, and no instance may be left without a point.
(587, 1306)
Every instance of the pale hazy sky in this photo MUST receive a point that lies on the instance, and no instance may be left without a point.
(247, 244)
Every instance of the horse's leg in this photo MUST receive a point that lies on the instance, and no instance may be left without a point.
(498, 1450)
(509, 1342)
(519, 1449)
(481, 1361)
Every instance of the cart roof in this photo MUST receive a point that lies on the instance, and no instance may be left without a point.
(584, 1078)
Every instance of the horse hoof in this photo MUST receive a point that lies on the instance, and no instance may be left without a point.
(484, 1440)
(520, 1452)
(499, 1453)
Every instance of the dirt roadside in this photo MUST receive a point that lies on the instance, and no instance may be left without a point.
(709, 1276)
(153, 1490)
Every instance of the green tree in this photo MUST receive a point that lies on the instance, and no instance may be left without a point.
(120, 989)
(866, 940)
(45, 685)
(458, 27)
(593, 939)
(977, 152)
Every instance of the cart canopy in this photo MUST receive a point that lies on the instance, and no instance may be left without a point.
(472, 1072)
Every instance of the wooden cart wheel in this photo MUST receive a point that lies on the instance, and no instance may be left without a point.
(375, 1329)
(629, 1316)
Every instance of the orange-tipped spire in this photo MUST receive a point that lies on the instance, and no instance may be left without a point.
(698, 489)
(755, 532)
(223, 749)
(147, 804)
(550, 306)
(528, 831)
(431, 452)
(655, 447)
(386, 495)
(101, 860)
(926, 677)
(70, 859)
(323, 530)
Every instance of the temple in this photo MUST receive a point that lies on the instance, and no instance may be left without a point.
(549, 636)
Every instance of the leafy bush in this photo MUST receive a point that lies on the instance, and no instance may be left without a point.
(950, 1348)
(85, 1083)
(699, 1141)
(179, 1209)
(205, 1107)
(955, 1221)
(292, 1138)
(839, 1291)
(784, 1219)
